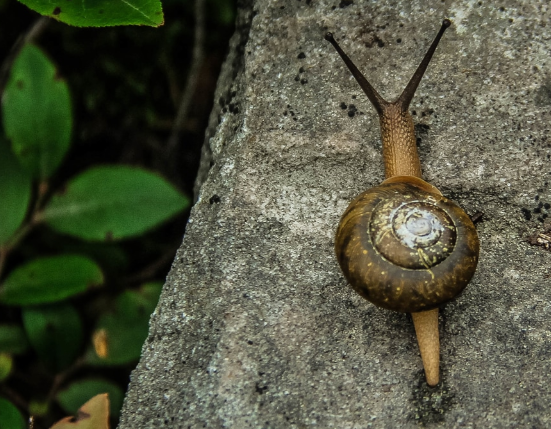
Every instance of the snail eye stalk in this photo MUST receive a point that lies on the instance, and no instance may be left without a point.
(407, 95)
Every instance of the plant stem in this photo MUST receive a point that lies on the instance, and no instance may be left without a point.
(32, 33)
(60, 378)
(36, 218)
(193, 76)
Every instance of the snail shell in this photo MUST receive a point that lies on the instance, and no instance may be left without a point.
(405, 247)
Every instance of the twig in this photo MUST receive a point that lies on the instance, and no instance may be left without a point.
(60, 378)
(12, 242)
(150, 270)
(193, 76)
(14, 397)
(19, 235)
(32, 33)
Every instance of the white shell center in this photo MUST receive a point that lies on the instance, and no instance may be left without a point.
(416, 226)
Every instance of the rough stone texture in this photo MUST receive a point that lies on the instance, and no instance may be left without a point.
(256, 327)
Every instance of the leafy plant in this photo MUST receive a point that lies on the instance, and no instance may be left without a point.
(50, 300)
(81, 249)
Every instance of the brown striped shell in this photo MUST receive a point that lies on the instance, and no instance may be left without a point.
(405, 247)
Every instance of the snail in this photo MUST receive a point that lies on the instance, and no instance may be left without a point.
(402, 245)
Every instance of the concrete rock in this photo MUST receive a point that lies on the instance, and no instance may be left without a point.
(256, 326)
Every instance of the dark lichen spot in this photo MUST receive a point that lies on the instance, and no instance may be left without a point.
(56, 11)
(301, 56)
(427, 112)
(345, 3)
(421, 130)
(301, 70)
(344, 106)
(398, 40)
(215, 199)
(303, 81)
(260, 389)
(543, 94)
(526, 213)
(430, 404)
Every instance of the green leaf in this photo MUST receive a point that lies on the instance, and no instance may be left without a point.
(13, 339)
(50, 279)
(55, 332)
(108, 203)
(38, 408)
(6, 364)
(81, 391)
(100, 13)
(15, 193)
(120, 334)
(37, 113)
(10, 417)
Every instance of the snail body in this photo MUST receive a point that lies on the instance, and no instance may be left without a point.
(402, 245)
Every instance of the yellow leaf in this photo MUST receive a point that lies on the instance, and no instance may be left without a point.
(101, 344)
(92, 415)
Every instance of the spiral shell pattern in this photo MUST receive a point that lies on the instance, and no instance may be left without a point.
(405, 248)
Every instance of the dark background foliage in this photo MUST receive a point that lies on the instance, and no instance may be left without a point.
(126, 84)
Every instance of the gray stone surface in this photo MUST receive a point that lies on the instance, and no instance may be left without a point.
(256, 326)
